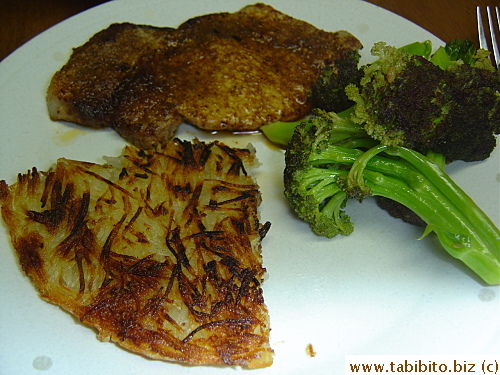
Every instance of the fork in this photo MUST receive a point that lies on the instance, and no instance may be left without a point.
(492, 25)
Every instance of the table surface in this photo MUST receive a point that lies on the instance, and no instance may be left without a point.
(21, 20)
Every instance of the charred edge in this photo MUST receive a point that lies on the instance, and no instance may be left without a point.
(188, 156)
(106, 249)
(30, 181)
(159, 210)
(134, 218)
(141, 175)
(233, 185)
(81, 274)
(248, 276)
(212, 234)
(205, 154)
(175, 241)
(77, 229)
(28, 249)
(244, 322)
(244, 195)
(142, 166)
(154, 305)
(110, 183)
(192, 205)
(4, 190)
(140, 262)
(210, 269)
(239, 225)
(123, 174)
(98, 305)
(183, 190)
(147, 267)
(189, 292)
(58, 201)
(48, 182)
(175, 274)
(237, 167)
(264, 229)
(226, 259)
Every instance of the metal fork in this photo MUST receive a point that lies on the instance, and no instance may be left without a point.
(494, 28)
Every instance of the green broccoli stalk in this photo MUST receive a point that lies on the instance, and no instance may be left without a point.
(280, 132)
(423, 49)
(327, 165)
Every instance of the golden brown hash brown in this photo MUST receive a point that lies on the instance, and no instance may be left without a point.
(158, 250)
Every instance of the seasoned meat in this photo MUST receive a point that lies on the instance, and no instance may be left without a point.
(224, 71)
(159, 251)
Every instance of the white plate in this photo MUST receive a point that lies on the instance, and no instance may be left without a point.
(377, 291)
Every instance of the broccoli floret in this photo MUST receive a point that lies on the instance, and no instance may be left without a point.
(407, 100)
(457, 52)
(331, 159)
(312, 189)
(328, 92)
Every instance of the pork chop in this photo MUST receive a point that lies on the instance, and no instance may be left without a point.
(223, 71)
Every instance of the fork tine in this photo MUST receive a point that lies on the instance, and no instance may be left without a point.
(494, 42)
(483, 40)
(483, 43)
(497, 11)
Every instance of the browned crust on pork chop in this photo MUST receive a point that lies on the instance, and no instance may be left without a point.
(222, 71)
(159, 251)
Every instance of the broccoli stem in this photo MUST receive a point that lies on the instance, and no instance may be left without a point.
(420, 184)
(413, 180)
(280, 132)
(423, 49)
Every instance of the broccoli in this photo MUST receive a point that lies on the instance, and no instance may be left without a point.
(410, 100)
(447, 102)
(328, 92)
(456, 52)
(331, 159)
(321, 206)
(413, 113)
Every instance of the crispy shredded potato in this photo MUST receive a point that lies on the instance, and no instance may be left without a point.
(158, 250)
